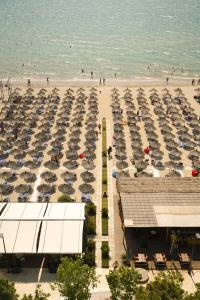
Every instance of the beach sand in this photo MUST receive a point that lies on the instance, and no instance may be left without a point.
(105, 111)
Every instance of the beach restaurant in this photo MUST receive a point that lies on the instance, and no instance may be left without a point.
(154, 208)
(41, 228)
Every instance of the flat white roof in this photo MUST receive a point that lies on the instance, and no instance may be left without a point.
(53, 227)
(177, 216)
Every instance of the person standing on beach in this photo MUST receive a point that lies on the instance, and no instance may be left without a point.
(92, 75)
(115, 75)
(167, 80)
(47, 80)
(193, 81)
(28, 82)
(100, 81)
(104, 81)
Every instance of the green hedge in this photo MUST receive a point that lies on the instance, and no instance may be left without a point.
(104, 181)
(105, 254)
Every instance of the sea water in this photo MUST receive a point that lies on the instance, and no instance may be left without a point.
(70, 38)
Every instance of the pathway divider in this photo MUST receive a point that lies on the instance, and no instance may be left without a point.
(104, 212)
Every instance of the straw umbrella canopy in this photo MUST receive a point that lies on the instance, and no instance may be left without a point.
(15, 165)
(45, 189)
(32, 164)
(54, 152)
(88, 165)
(168, 137)
(194, 123)
(171, 145)
(157, 154)
(154, 144)
(70, 164)
(6, 189)
(121, 165)
(175, 155)
(87, 176)
(86, 188)
(143, 174)
(49, 176)
(194, 155)
(138, 154)
(170, 164)
(51, 164)
(23, 189)
(6, 174)
(66, 189)
(173, 174)
(71, 154)
(140, 165)
(73, 146)
(28, 176)
(69, 176)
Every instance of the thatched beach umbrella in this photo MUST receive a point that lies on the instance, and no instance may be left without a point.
(88, 165)
(51, 164)
(87, 176)
(23, 189)
(28, 176)
(69, 176)
(71, 165)
(32, 164)
(86, 188)
(121, 165)
(49, 176)
(45, 189)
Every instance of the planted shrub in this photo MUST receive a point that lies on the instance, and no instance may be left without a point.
(91, 228)
(91, 245)
(65, 198)
(104, 213)
(89, 259)
(91, 209)
(105, 250)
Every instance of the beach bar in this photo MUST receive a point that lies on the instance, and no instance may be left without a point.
(154, 210)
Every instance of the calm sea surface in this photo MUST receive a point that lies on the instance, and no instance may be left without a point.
(59, 38)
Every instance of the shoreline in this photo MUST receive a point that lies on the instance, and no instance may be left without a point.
(135, 82)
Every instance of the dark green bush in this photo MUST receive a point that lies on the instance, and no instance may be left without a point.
(91, 245)
(125, 260)
(91, 228)
(105, 250)
(104, 213)
(65, 198)
(89, 259)
(91, 209)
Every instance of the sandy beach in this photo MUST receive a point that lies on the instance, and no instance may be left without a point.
(105, 96)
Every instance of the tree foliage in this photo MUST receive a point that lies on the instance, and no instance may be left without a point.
(166, 286)
(123, 283)
(7, 290)
(74, 279)
(194, 296)
(39, 295)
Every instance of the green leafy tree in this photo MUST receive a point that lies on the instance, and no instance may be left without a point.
(166, 286)
(74, 279)
(194, 296)
(123, 283)
(39, 295)
(7, 290)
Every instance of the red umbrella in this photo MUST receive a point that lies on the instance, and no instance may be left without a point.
(195, 173)
(81, 155)
(146, 150)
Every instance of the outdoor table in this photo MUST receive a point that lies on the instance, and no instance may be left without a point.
(140, 258)
(184, 257)
(160, 258)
